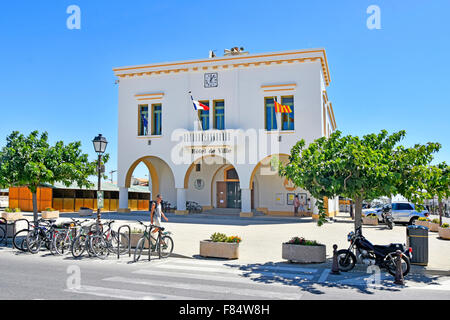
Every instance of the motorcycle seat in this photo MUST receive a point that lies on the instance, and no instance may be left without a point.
(389, 248)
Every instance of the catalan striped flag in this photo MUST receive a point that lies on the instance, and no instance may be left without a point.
(279, 108)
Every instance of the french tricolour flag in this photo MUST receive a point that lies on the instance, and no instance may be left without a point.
(198, 105)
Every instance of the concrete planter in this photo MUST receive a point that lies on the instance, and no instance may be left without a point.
(303, 254)
(370, 221)
(434, 227)
(12, 216)
(227, 250)
(444, 233)
(50, 214)
(134, 239)
(85, 212)
(422, 223)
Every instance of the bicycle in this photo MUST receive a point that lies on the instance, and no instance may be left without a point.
(63, 238)
(81, 242)
(107, 242)
(42, 233)
(3, 223)
(164, 243)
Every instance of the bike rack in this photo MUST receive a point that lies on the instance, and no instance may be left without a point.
(7, 224)
(129, 240)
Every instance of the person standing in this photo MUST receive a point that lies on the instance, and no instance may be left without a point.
(296, 205)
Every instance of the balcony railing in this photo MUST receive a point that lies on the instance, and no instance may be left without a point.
(209, 137)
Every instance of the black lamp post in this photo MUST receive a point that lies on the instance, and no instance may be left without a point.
(100, 144)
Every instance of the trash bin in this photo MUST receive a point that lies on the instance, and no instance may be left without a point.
(417, 240)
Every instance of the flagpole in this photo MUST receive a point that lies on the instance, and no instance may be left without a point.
(199, 123)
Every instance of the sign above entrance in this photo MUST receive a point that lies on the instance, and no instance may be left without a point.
(211, 150)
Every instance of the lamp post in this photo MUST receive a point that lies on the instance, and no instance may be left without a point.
(100, 144)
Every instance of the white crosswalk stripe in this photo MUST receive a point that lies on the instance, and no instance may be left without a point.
(261, 293)
(205, 279)
(124, 294)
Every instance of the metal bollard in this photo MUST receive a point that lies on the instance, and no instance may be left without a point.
(398, 272)
(335, 267)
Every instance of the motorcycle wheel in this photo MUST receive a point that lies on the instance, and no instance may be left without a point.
(390, 225)
(346, 260)
(389, 262)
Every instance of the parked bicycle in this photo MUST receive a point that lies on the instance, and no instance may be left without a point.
(193, 207)
(163, 243)
(109, 241)
(41, 234)
(3, 223)
(63, 237)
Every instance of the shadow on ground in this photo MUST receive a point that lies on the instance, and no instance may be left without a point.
(310, 281)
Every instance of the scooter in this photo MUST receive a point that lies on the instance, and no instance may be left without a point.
(386, 214)
(369, 254)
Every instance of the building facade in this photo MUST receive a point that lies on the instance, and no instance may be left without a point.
(223, 157)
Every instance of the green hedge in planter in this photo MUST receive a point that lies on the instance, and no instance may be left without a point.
(303, 242)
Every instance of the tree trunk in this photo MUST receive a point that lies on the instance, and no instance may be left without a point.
(440, 212)
(35, 208)
(358, 213)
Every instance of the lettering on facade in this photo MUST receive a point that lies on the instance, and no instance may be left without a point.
(211, 151)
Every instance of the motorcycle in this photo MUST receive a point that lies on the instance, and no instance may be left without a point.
(386, 214)
(369, 254)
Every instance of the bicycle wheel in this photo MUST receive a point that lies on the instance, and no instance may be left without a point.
(114, 241)
(19, 239)
(138, 249)
(99, 246)
(61, 243)
(78, 246)
(2, 234)
(166, 246)
(33, 241)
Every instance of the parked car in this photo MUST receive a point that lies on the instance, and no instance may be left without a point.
(402, 212)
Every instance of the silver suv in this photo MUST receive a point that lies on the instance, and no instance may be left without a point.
(402, 212)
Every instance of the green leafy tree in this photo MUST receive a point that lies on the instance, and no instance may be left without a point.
(30, 161)
(434, 181)
(359, 169)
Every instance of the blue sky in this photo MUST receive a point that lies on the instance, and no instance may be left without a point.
(61, 80)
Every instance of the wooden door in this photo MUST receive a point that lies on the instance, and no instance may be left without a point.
(221, 194)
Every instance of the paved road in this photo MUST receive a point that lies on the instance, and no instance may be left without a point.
(43, 276)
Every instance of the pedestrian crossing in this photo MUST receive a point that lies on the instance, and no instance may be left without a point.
(195, 279)
(183, 279)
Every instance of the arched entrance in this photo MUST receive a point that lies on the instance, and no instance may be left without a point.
(160, 181)
(213, 182)
(273, 194)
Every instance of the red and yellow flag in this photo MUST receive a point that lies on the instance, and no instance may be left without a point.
(279, 108)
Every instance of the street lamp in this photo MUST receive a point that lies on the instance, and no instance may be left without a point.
(100, 144)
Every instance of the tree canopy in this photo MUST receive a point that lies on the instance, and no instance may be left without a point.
(360, 169)
(31, 161)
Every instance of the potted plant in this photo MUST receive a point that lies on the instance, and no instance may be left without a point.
(434, 225)
(135, 236)
(50, 213)
(370, 219)
(303, 251)
(85, 211)
(11, 214)
(444, 231)
(424, 222)
(221, 246)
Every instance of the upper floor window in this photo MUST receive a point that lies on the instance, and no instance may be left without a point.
(157, 119)
(269, 114)
(143, 120)
(150, 121)
(287, 119)
(203, 115)
(219, 114)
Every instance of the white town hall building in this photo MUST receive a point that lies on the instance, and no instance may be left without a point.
(221, 158)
